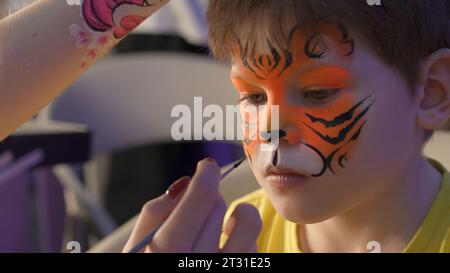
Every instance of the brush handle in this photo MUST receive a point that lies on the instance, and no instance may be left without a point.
(147, 239)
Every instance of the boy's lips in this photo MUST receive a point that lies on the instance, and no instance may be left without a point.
(271, 170)
(282, 178)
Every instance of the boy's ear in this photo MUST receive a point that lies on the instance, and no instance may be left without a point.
(433, 97)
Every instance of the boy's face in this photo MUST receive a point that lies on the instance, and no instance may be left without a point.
(346, 124)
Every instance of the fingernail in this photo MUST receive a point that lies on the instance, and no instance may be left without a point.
(177, 187)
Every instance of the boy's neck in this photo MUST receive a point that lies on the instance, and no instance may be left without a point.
(390, 218)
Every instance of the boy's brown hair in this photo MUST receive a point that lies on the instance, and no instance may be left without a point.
(401, 32)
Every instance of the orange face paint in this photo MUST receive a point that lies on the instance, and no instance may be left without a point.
(314, 62)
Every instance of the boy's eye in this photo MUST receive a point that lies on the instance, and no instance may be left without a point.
(256, 98)
(319, 95)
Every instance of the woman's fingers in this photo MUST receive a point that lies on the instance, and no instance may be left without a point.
(184, 225)
(156, 211)
(193, 220)
(208, 240)
(246, 225)
(229, 226)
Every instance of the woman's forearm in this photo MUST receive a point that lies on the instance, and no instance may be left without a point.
(47, 45)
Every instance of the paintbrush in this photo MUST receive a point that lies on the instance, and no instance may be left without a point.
(147, 239)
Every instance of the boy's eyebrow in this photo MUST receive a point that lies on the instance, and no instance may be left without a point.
(235, 75)
(301, 71)
(332, 73)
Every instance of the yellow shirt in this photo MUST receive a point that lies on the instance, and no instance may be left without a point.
(280, 235)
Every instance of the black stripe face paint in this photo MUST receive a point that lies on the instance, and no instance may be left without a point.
(262, 66)
(349, 121)
(315, 47)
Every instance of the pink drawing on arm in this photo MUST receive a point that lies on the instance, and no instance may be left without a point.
(80, 35)
(99, 15)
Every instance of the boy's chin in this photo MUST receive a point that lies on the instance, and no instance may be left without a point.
(303, 212)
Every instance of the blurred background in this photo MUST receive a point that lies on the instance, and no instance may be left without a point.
(82, 168)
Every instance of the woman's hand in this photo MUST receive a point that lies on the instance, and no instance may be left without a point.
(193, 211)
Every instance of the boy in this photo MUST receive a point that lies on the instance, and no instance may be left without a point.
(360, 89)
